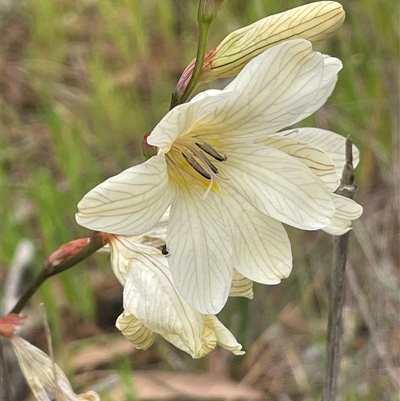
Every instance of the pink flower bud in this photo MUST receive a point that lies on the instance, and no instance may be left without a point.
(65, 252)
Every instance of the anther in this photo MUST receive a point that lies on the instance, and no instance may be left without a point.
(195, 164)
(207, 161)
(211, 151)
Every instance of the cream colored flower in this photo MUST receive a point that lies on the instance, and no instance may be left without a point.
(152, 305)
(314, 22)
(232, 178)
(46, 379)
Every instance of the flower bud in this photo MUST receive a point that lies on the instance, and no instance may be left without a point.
(9, 323)
(66, 251)
(208, 10)
(314, 22)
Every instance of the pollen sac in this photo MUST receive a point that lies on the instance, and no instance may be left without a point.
(211, 151)
(196, 165)
(198, 158)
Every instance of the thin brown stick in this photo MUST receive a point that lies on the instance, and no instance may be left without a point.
(337, 286)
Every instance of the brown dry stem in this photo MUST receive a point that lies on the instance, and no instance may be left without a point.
(347, 188)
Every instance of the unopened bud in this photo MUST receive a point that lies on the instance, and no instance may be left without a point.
(208, 10)
(65, 252)
(314, 22)
(9, 323)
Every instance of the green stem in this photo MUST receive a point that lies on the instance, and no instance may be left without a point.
(204, 27)
(94, 245)
(337, 287)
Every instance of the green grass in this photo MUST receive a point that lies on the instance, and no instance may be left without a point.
(96, 76)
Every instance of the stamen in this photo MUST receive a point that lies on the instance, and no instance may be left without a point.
(195, 164)
(207, 161)
(211, 151)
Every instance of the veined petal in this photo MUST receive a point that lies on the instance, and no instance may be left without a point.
(270, 93)
(346, 211)
(185, 118)
(158, 233)
(315, 22)
(278, 185)
(224, 337)
(261, 245)
(130, 202)
(151, 296)
(125, 248)
(313, 157)
(241, 286)
(134, 330)
(44, 377)
(332, 66)
(200, 256)
(330, 142)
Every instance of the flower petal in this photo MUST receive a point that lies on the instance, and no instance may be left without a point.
(200, 256)
(130, 202)
(224, 337)
(272, 91)
(260, 243)
(332, 66)
(134, 330)
(151, 296)
(278, 185)
(241, 286)
(330, 142)
(346, 211)
(313, 157)
(200, 111)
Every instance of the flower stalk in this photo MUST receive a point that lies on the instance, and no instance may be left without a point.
(204, 19)
(58, 265)
(337, 286)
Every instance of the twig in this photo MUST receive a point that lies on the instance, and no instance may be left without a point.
(337, 286)
(96, 242)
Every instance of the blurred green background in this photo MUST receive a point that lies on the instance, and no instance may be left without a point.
(83, 81)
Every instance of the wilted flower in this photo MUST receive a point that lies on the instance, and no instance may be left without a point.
(46, 379)
(314, 22)
(152, 305)
(231, 179)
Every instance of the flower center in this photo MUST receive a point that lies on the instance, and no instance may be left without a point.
(201, 157)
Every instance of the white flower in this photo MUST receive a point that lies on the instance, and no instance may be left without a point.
(46, 379)
(153, 305)
(230, 180)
